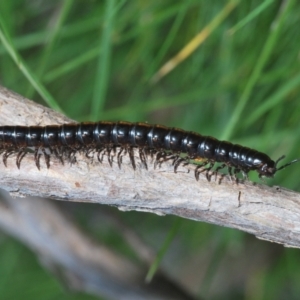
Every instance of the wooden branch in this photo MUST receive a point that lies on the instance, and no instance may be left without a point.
(270, 213)
(73, 257)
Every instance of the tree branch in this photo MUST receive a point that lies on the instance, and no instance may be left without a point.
(270, 213)
(77, 260)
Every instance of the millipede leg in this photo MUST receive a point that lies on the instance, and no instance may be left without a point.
(230, 172)
(109, 156)
(47, 158)
(58, 155)
(162, 157)
(20, 156)
(71, 156)
(186, 164)
(100, 151)
(151, 153)
(197, 172)
(131, 157)
(37, 157)
(221, 178)
(143, 158)
(88, 153)
(6, 154)
(235, 172)
(211, 165)
(173, 157)
(159, 156)
(119, 157)
(177, 163)
(222, 166)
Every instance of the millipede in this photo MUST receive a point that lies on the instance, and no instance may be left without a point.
(120, 138)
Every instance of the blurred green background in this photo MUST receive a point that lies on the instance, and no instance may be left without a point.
(95, 60)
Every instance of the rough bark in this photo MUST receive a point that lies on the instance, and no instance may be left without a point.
(270, 213)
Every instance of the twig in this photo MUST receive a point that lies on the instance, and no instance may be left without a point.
(270, 213)
(73, 257)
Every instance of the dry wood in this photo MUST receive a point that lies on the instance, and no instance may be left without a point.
(270, 213)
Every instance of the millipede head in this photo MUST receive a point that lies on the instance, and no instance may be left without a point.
(269, 168)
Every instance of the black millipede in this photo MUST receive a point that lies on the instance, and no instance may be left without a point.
(106, 137)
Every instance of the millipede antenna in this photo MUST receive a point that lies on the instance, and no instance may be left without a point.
(284, 166)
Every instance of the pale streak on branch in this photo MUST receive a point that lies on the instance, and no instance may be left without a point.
(270, 213)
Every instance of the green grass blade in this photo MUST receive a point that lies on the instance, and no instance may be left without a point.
(25, 70)
(167, 43)
(172, 233)
(52, 38)
(261, 62)
(102, 75)
(71, 65)
(272, 101)
(250, 16)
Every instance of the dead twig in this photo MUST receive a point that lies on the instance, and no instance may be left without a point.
(73, 257)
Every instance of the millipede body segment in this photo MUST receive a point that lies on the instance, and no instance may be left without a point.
(167, 143)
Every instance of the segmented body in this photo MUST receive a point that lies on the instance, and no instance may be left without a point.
(105, 136)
